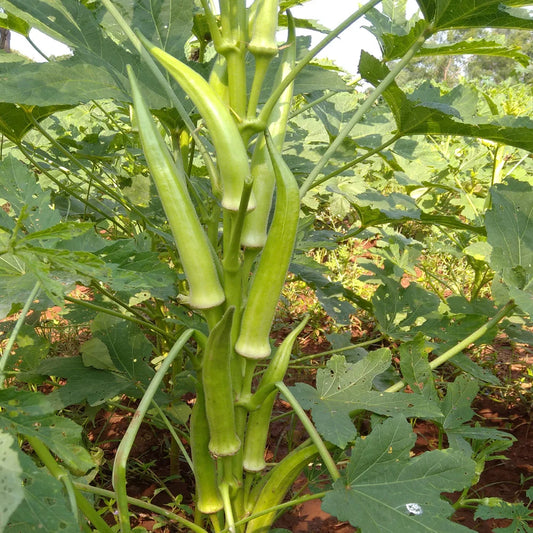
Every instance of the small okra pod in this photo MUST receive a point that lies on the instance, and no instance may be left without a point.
(205, 290)
(263, 43)
(208, 498)
(253, 341)
(232, 158)
(258, 425)
(218, 390)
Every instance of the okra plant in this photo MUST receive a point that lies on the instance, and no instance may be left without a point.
(212, 134)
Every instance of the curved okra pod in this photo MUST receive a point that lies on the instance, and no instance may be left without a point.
(217, 386)
(232, 158)
(205, 290)
(208, 498)
(259, 420)
(268, 280)
(275, 487)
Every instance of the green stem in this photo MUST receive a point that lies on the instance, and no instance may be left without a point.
(362, 109)
(16, 329)
(506, 310)
(117, 314)
(123, 451)
(277, 92)
(143, 505)
(175, 436)
(311, 430)
(356, 161)
(72, 192)
(280, 507)
(337, 350)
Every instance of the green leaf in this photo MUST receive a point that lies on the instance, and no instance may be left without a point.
(98, 67)
(383, 490)
(17, 120)
(45, 507)
(397, 309)
(509, 225)
(84, 383)
(474, 14)
(343, 388)
(16, 24)
(19, 187)
(11, 491)
(415, 368)
(94, 353)
(475, 47)
(427, 112)
(26, 414)
(456, 405)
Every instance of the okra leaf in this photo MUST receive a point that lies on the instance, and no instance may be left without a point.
(29, 414)
(343, 388)
(474, 14)
(97, 68)
(456, 405)
(45, 506)
(415, 368)
(428, 112)
(397, 308)
(509, 224)
(17, 120)
(84, 383)
(11, 475)
(411, 501)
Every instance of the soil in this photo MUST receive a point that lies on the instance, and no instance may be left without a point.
(503, 478)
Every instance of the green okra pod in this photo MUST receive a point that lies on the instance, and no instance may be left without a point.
(218, 390)
(268, 280)
(232, 158)
(205, 290)
(274, 488)
(258, 425)
(208, 498)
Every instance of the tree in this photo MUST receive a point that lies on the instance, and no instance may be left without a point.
(5, 39)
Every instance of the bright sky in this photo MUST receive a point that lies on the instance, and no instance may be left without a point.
(344, 50)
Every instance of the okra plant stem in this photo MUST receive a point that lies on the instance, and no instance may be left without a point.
(311, 430)
(273, 98)
(363, 108)
(123, 451)
(506, 310)
(13, 337)
(142, 504)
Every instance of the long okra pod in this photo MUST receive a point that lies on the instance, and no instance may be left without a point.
(217, 385)
(205, 290)
(255, 225)
(208, 499)
(268, 280)
(232, 158)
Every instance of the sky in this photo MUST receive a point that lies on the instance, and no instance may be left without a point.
(344, 50)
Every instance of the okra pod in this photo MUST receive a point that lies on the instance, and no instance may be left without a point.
(263, 43)
(205, 290)
(258, 426)
(268, 280)
(255, 224)
(208, 499)
(278, 482)
(232, 158)
(217, 386)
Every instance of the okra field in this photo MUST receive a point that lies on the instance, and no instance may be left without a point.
(236, 279)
